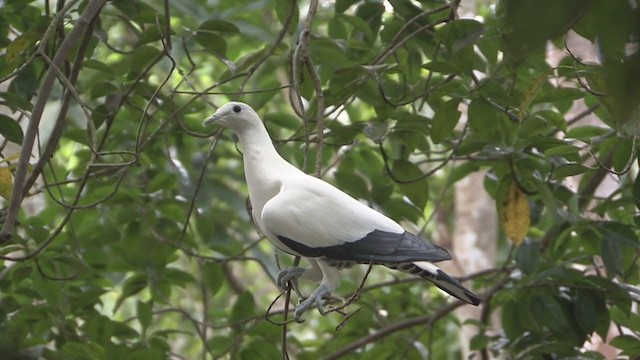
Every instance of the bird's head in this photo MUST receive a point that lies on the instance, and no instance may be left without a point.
(235, 115)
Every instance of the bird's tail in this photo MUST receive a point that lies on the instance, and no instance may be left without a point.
(442, 280)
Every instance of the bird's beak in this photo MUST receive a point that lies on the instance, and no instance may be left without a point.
(212, 119)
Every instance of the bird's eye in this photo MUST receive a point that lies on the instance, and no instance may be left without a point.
(236, 108)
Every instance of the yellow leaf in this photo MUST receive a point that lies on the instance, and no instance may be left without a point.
(6, 182)
(10, 158)
(515, 215)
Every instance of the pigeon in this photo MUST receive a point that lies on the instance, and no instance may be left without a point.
(306, 216)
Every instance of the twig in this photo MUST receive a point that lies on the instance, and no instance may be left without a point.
(287, 298)
(199, 185)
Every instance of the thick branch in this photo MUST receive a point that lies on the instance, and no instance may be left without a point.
(90, 11)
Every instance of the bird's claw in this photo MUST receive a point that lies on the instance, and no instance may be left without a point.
(289, 274)
(315, 299)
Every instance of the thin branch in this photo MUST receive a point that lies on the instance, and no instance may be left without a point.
(199, 184)
(287, 299)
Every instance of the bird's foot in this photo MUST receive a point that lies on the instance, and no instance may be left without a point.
(315, 299)
(289, 274)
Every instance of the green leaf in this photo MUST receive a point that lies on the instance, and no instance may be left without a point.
(587, 132)
(212, 277)
(489, 124)
(133, 285)
(162, 181)
(630, 345)
(327, 51)
(10, 129)
(630, 320)
(147, 354)
(142, 58)
(97, 65)
(220, 344)
(585, 311)
(553, 118)
(352, 183)
(417, 190)
(22, 43)
(260, 349)
(343, 5)
(458, 34)
(25, 83)
(243, 307)
(533, 126)
(565, 150)
(178, 277)
(620, 233)
(337, 28)
(527, 256)
(622, 153)
(15, 102)
(359, 25)
(283, 11)
(511, 320)
(84, 350)
(371, 12)
(145, 314)
(479, 342)
(102, 88)
(611, 256)
(548, 311)
(283, 119)
(528, 25)
(442, 67)
(445, 120)
(566, 170)
(207, 36)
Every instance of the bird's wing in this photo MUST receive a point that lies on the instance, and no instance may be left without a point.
(315, 219)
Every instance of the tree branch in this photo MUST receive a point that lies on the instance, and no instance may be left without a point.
(90, 11)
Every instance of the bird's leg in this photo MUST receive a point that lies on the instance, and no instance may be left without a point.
(330, 281)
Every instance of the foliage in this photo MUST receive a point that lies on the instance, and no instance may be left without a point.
(144, 249)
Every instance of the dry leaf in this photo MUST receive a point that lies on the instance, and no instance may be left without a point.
(515, 215)
(6, 182)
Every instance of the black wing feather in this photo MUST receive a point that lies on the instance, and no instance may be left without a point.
(377, 247)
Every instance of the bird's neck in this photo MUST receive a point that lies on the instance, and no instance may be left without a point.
(258, 149)
(264, 168)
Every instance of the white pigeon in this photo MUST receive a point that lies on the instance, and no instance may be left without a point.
(306, 216)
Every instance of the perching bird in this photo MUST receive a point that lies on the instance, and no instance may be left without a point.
(306, 216)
